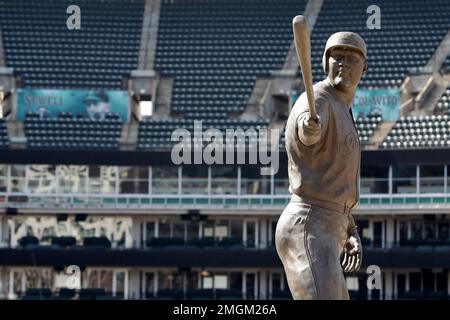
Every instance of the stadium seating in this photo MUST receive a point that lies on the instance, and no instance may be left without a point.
(410, 33)
(68, 132)
(156, 134)
(4, 140)
(216, 49)
(443, 105)
(430, 131)
(41, 48)
(366, 126)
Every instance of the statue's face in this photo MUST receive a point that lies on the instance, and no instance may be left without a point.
(345, 68)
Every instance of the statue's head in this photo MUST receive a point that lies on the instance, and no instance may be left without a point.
(345, 60)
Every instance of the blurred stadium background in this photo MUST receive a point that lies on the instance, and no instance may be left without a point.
(86, 177)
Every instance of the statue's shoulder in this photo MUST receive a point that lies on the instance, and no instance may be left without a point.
(321, 96)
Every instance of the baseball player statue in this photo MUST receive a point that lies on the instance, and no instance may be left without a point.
(316, 236)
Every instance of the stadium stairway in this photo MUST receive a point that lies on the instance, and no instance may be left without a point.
(149, 35)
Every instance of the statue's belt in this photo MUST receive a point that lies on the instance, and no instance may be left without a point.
(345, 209)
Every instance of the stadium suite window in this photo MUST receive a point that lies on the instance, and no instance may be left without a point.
(133, 180)
(72, 179)
(195, 180)
(281, 181)
(3, 177)
(224, 180)
(431, 228)
(374, 180)
(404, 179)
(432, 179)
(170, 280)
(102, 179)
(41, 178)
(18, 178)
(221, 229)
(165, 180)
(98, 278)
(252, 182)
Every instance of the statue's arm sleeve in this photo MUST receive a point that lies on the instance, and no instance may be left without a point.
(310, 137)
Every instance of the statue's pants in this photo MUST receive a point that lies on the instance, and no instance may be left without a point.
(309, 240)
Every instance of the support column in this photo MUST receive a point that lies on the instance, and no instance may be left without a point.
(263, 234)
(136, 233)
(134, 285)
(263, 274)
(390, 232)
(388, 284)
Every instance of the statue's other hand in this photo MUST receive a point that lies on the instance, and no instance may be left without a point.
(352, 257)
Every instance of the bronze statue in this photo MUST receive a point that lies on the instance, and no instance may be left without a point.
(316, 235)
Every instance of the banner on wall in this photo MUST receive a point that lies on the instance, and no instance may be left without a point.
(94, 104)
(384, 101)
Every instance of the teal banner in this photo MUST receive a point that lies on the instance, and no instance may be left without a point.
(92, 104)
(384, 101)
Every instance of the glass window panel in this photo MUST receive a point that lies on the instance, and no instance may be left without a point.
(18, 170)
(178, 229)
(72, 179)
(252, 182)
(416, 229)
(207, 282)
(165, 180)
(150, 231)
(3, 185)
(220, 281)
(3, 178)
(192, 280)
(403, 225)
(224, 180)
(221, 229)
(404, 179)
(120, 283)
(443, 230)
(164, 228)
(133, 173)
(195, 180)
(102, 179)
(149, 284)
(432, 179)
(208, 228)
(281, 181)
(133, 187)
(374, 180)
(192, 230)
(3, 170)
(276, 281)
(133, 180)
(236, 281)
(41, 178)
(236, 227)
(177, 280)
(430, 229)
(164, 280)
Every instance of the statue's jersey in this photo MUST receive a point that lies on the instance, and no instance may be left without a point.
(328, 170)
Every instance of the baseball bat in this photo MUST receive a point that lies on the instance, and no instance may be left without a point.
(303, 47)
